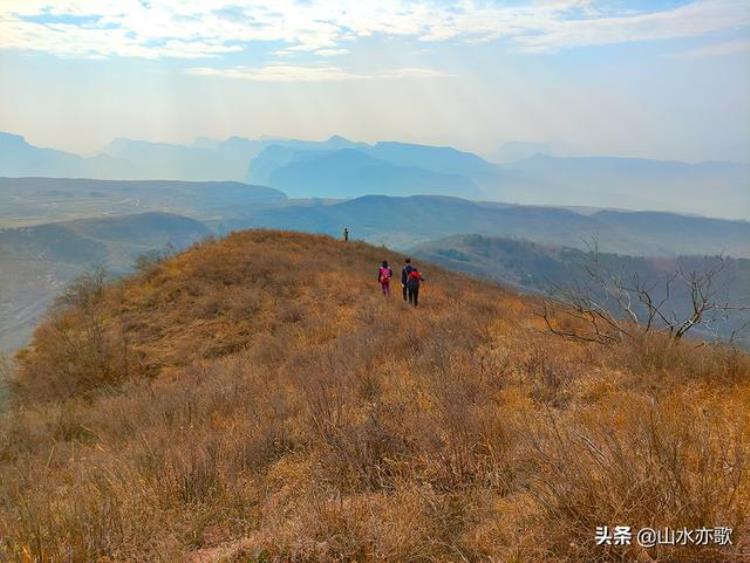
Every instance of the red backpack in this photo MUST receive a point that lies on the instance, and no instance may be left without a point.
(414, 277)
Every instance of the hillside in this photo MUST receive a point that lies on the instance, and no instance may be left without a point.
(32, 201)
(36, 263)
(692, 235)
(552, 269)
(403, 222)
(256, 397)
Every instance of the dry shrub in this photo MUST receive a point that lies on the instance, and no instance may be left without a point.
(644, 464)
(78, 352)
(690, 359)
(410, 523)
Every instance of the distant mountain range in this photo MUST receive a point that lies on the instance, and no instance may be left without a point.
(18, 159)
(519, 150)
(400, 222)
(545, 249)
(128, 159)
(719, 189)
(341, 168)
(346, 173)
(38, 260)
(404, 222)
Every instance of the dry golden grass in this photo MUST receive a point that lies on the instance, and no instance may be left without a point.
(256, 398)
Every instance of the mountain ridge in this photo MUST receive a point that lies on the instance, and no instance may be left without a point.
(307, 417)
(713, 188)
(402, 222)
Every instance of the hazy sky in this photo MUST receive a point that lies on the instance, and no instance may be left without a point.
(664, 78)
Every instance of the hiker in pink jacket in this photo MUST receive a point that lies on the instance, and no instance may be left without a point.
(384, 278)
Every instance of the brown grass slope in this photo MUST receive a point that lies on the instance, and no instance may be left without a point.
(256, 397)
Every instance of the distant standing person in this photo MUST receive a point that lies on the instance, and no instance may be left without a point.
(405, 271)
(413, 282)
(384, 278)
(346, 234)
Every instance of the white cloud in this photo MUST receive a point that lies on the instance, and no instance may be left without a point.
(413, 73)
(295, 73)
(278, 73)
(695, 19)
(331, 52)
(196, 29)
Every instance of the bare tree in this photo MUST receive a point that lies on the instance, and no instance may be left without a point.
(604, 307)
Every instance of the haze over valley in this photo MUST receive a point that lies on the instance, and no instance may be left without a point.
(339, 168)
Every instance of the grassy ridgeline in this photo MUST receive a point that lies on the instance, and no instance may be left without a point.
(258, 396)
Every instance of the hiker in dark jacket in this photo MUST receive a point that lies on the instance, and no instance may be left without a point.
(384, 278)
(405, 271)
(413, 281)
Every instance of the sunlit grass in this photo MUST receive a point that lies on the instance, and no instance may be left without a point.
(257, 396)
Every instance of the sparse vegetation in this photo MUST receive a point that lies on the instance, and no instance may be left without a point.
(153, 258)
(5, 369)
(613, 306)
(256, 398)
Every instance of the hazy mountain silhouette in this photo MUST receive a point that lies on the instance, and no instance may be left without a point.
(18, 158)
(350, 173)
(388, 168)
(440, 159)
(177, 162)
(207, 159)
(514, 151)
(338, 167)
(710, 188)
(713, 188)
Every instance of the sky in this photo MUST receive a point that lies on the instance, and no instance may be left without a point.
(667, 79)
